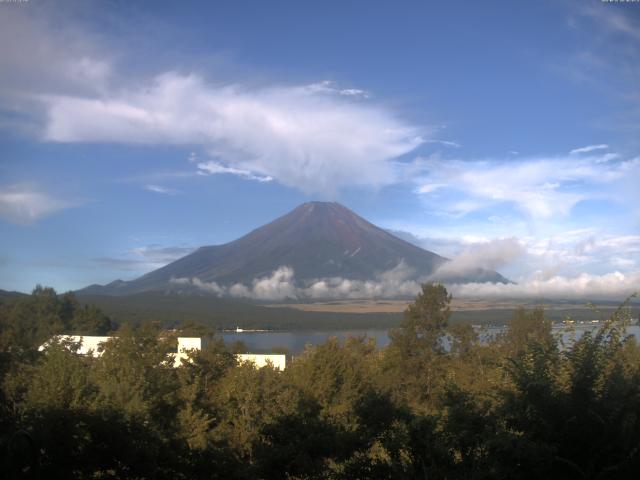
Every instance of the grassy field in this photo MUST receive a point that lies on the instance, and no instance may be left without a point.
(467, 310)
(457, 305)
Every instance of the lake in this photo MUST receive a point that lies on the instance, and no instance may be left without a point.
(295, 341)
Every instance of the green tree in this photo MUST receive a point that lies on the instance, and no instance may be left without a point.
(416, 356)
(200, 379)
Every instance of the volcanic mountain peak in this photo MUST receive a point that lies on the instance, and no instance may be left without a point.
(316, 240)
(313, 221)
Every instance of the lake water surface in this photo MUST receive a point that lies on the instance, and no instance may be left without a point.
(295, 341)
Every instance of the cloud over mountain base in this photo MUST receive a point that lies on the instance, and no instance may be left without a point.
(397, 282)
(610, 286)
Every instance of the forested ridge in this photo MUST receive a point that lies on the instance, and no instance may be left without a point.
(521, 405)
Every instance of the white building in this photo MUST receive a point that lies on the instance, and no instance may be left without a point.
(94, 346)
(88, 345)
(186, 345)
(277, 361)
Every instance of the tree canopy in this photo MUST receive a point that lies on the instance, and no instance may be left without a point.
(438, 402)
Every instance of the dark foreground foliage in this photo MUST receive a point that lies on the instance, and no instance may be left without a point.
(519, 406)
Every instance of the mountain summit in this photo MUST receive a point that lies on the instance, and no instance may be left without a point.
(316, 240)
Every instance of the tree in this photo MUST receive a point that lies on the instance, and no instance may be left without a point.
(425, 321)
(28, 322)
(90, 320)
(416, 355)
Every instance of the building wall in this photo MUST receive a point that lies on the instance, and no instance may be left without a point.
(277, 360)
(186, 345)
(93, 345)
(88, 344)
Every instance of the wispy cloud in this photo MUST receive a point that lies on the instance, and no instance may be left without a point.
(589, 148)
(160, 254)
(317, 137)
(62, 58)
(608, 59)
(124, 264)
(329, 87)
(161, 189)
(25, 204)
(431, 187)
(214, 168)
(572, 252)
(144, 258)
(304, 139)
(541, 187)
(613, 20)
(446, 143)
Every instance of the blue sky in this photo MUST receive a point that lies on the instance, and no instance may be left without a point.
(500, 134)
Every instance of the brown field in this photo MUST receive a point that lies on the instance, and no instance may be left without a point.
(398, 306)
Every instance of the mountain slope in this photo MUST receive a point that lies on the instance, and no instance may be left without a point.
(317, 240)
(7, 295)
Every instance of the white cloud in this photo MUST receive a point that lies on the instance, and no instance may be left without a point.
(571, 253)
(281, 284)
(430, 187)
(551, 267)
(39, 54)
(277, 286)
(327, 86)
(625, 263)
(304, 139)
(491, 255)
(160, 189)
(210, 287)
(541, 187)
(588, 148)
(146, 258)
(161, 255)
(72, 87)
(23, 204)
(446, 143)
(612, 20)
(610, 286)
(213, 168)
(565, 252)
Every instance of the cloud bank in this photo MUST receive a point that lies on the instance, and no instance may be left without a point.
(610, 286)
(398, 282)
(281, 284)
